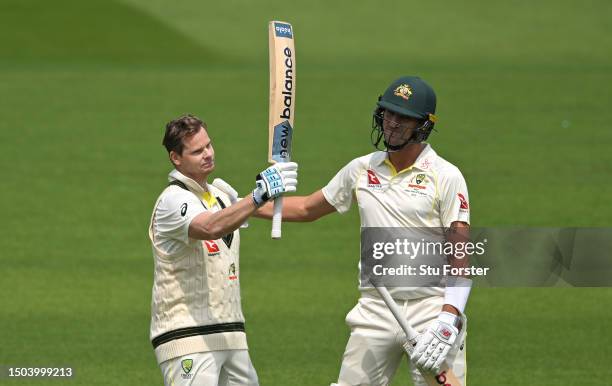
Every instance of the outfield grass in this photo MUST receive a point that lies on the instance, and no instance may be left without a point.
(85, 88)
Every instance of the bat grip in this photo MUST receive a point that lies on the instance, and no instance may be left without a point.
(446, 377)
(277, 218)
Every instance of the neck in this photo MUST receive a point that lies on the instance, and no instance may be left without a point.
(405, 157)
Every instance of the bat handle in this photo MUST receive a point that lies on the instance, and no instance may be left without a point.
(446, 377)
(277, 218)
(386, 296)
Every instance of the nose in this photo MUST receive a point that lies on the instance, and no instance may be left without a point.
(392, 118)
(392, 121)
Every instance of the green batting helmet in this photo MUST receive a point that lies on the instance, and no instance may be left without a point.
(411, 96)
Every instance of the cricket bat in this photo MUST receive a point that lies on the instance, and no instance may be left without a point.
(282, 103)
(446, 377)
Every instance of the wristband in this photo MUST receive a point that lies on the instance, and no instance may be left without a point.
(457, 292)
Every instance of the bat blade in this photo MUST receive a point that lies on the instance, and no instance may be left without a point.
(282, 103)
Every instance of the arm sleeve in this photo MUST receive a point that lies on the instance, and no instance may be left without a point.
(174, 214)
(339, 191)
(454, 200)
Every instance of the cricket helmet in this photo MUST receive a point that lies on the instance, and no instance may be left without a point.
(409, 96)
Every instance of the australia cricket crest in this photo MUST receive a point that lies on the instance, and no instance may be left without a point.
(187, 366)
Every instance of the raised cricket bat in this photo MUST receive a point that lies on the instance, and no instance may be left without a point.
(282, 103)
(446, 377)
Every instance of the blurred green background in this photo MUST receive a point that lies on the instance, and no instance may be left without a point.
(87, 86)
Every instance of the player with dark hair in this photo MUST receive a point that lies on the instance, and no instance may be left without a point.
(404, 184)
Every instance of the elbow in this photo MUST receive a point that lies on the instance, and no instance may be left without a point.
(214, 232)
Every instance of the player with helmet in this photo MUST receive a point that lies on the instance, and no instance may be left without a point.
(411, 102)
(402, 184)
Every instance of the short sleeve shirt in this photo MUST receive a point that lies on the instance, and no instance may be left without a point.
(430, 193)
(175, 210)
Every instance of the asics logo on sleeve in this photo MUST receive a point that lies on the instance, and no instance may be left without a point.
(184, 209)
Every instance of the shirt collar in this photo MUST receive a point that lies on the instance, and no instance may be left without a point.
(424, 161)
(191, 184)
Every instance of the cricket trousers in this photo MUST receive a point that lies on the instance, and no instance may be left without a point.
(225, 367)
(374, 349)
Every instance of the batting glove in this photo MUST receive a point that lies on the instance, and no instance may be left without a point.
(277, 179)
(433, 346)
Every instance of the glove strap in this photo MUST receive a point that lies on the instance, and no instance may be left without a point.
(257, 198)
(450, 319)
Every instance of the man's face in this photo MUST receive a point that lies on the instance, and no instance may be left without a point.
(198, 158)
(398, 128)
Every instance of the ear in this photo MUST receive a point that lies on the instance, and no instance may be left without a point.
(175, 158)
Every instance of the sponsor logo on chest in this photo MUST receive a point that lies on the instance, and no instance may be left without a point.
(418, 181)
(418, 184)
(373, 181)
(211, 247)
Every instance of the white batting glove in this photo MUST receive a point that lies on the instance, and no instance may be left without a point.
(231, 193)
(277, 179)
(434, 344)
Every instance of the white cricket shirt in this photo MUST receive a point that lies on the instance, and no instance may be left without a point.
(195, 303)
(431, 193)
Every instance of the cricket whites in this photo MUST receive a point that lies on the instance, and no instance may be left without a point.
(446, 377)
(282, 103)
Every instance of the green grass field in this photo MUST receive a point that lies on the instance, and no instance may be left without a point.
(86, 87)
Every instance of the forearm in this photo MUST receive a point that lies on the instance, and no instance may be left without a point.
(293, 209)
(458, 287)
(211, 226)
(459, 235)
(300, 208)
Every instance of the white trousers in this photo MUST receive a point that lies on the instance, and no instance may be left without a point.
(226, 367)
(374, 350)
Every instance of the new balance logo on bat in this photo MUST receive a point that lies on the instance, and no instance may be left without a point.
(441, 379)
(288, 85)
(281, 146)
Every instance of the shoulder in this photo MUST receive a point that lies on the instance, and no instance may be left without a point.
(446, 170)
(220, 194)
(174, 196)
(366, 161)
